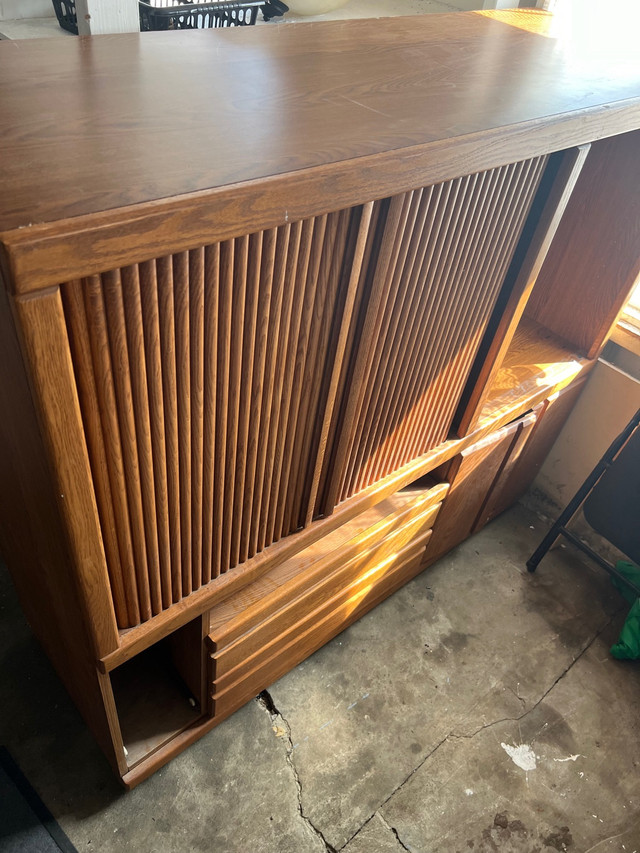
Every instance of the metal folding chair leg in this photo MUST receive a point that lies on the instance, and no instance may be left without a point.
(559, 528)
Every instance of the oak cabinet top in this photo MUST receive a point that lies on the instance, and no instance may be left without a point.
(97, 123)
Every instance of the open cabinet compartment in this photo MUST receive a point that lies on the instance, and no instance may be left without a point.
(559, 316)
(153, 701)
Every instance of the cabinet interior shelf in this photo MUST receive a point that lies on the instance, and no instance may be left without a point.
(536, 362)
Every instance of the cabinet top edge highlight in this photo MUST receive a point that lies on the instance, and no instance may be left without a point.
(99, 123)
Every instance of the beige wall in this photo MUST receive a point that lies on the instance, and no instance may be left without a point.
(605, 406)
(17, 9)
(107, 16)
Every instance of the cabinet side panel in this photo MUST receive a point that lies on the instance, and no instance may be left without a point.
(594, 259)
(33, 543)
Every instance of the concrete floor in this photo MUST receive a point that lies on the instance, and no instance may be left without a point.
(476, 710)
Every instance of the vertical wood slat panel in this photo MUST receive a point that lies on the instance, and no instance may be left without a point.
(241, 259)
(265, 448)
(421, 294)
(465, 308)
(153, 356)
(132, 304)
(486, 263)
(267, 510)
(374, 281)
(227, 258)
(258, 382)
(396, 313)
(332, 302)
(166, 309)
(218, 397)
(114, 309)
(402, 411)
(364, 247)
(434, 293)
(505, 217)
(196, 383)
(122, 581)
(183, 377)
(106, 403)
(324, 308)
(428, 365)
(477, 244)
(428, 362)
(309, 283)
(385, 309)
(517, 208)
(245, 391)
(390, 391)
(288, 397)
(209, 471)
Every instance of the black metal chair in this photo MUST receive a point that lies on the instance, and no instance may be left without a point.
(610, 499)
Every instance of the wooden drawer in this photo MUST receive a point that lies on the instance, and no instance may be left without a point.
(280, 620)
(472, 474)
(530, 452)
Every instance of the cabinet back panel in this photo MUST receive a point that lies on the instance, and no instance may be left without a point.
(595, 251)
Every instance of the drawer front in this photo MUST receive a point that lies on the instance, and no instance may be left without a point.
(472, 474)
(259, 601)
(341, 588)
(349, 576)
(312, 632)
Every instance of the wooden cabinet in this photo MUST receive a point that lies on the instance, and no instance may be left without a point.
(237, 332)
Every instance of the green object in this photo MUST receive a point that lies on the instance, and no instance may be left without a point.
(628, 645)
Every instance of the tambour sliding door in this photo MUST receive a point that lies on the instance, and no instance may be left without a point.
(433, 269)
(232, 393)
(206, 381)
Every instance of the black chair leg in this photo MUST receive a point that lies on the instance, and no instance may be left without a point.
(559, 527)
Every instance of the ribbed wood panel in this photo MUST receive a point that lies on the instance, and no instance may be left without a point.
(232, 393)
(434, 264)
(205, 382)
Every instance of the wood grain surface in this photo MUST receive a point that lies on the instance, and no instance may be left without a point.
(247, 277)
(203, 433)
(127, 119)
(434, 267)
(41, 556)
(598, 245)
(121, 119)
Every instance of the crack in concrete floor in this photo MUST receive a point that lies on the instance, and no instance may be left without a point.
(391, 829)
(267, 703)
(453, 735)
